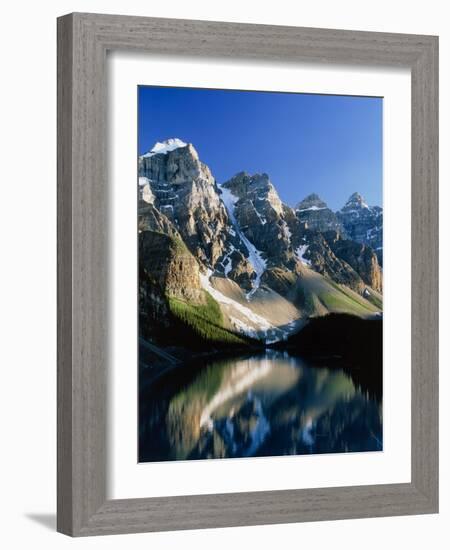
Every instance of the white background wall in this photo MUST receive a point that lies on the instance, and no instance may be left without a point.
(28, 270)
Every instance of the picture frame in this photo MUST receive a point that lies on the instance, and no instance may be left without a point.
(83, 42)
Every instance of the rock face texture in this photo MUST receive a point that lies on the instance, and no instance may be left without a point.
(315, 214)
(261, 216)
(344, 261)
(182, 188)
(168, 262)
(151, 219)
(359, 256)
(363, 223)
(326, 261)
(238, 246)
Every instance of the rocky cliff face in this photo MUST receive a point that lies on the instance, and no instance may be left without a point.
(261, 216)
(359, 256)
(323, 259)
(363, 223)
(342, 260)
(168, 262)
(181, 187)
(151, 219)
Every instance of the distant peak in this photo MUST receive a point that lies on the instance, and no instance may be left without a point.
(356, 201)
(355, 197)
(164, 147)
(241, 175)
(311, 202)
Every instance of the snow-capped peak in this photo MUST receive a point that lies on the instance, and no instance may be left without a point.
(163, 147)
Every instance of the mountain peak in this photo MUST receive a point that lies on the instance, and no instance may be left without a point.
(356, 201)
(166, 146)
(311, 202)
(256, 187)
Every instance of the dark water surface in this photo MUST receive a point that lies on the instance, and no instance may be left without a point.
(268, 404)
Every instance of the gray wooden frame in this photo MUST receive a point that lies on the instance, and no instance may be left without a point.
(83, 41)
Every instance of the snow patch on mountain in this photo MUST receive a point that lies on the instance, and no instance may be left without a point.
(217, 295)
(165, 147)
(145, 191)
(261, 218)
(300, 253)
(258, 320)
(286, 231)
(311, 208)
(245, 320)
(243, 328)
(227, 263)
(254, 256)
(143, 181)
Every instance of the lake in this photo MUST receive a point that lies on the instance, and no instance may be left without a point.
(268, 404)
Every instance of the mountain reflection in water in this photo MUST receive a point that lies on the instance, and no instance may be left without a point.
(265, 405)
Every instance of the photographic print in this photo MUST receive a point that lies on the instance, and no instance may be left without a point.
(260, 254)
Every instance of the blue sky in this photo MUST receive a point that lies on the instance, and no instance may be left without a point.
(324, 144)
